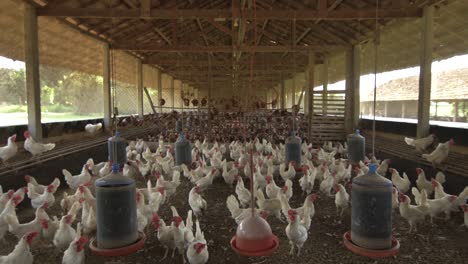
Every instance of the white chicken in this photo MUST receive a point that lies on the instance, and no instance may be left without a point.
(341, 199)
(170, 187)
(422, 183)
(440, 154)
(237, 213)
(206, 181)
(156, 197)
(290, 173)
(437, 206)
(196, 201)
(75, 252)
(402, 183)
(327, 184)
(243, 193)
(307, 181)
(21, 254)
(413, 214)
(36, 148)
(259, 178)
(93, 129)
(395, 200)
(420, 144)
(37, 200)
(19, 230)
(65, 233)
(383, 167)
(88, 218)
(10, 150)
(165, 234)
(37, 188)
(75, 181)
(287, 189)
(296, 232)
(197, 251)
(49, 227)
(68, 200)
(271, 205)
(229, 175)
(272, 189)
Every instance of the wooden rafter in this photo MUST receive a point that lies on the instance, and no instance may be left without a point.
(223, 49)
(342, 14)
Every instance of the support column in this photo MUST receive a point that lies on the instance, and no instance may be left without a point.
(31, 59)
(353, 76)
(159, 80)
(424, 102)
(106, 85)
(173, 92)
(293, 90)
(311, 71)
(325, 85)
(282, 94)
(140, 87)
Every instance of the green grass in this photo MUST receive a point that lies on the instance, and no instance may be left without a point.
(14, 115)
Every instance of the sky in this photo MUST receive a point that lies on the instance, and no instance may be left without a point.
(11, 64)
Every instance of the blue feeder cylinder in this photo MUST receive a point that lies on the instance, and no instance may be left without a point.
(179, 125)
(116, 146)
(183, 152)
(116, 210)
(356, 147)
(293, 148)
(371, 214)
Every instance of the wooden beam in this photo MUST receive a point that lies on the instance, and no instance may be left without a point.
(224, 49)
(107, 102)
(424, 102)
(145, 8)
(311, 79)
(159, 80)
(325, 85)
(139, 85)
(209, 14)
(222, 28)
(33, 83)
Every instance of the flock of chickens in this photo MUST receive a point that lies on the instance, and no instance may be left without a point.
(232, 162)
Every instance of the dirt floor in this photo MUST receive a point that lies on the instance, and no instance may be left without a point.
(445, 241)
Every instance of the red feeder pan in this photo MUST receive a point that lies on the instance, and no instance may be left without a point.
(115, 252)
(371, 253)
(254, 238)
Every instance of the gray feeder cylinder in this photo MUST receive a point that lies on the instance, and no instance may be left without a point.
(293, 148)
(116, 146)
(356, 147)
(183, 152)
(116, 210)
(371, 210)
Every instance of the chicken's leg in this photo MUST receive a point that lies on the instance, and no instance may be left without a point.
(299, 250)
(291, 252)
(165, 253)
(173, 252)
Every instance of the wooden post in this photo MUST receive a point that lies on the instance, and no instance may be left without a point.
(107, 102)
(282, 94)
(159, 79)
(325, 85)
(403, 109)
(424, 102)
(353, 76)
(311, 92)
(293, 90)
(140, 87)
(173, 92)
(31, 59)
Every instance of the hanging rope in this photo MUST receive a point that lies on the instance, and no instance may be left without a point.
(252, 201)
(375, 72)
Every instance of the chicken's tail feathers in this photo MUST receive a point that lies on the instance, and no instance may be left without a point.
(176, 177)
(174, 211)
(67, 174)
(49, 146)
(409, 141)
(189, 220)
(440, 177)
(232, 203)
(198, 233)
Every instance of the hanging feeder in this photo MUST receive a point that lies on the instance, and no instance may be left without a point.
(186, 102)
(195, 102)
(204, 101)
(162, 102)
